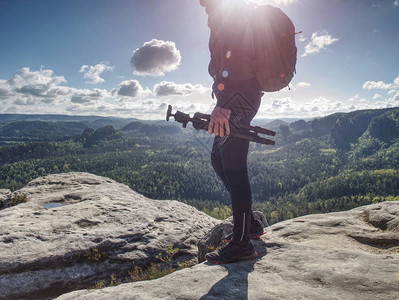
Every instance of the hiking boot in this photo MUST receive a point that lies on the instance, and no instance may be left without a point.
(256, 232)
(232, 252)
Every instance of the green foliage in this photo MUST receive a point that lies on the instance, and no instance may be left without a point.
(220, 213)
(98, 285)
(305, 172)
(102, 137)
(40, 130)
(300, 125)
(167, 256)
(92, 255)
(385, 127)
(103, 283)
(18, 199)
(153, 271)
(284, 130)
(349, 127)
(150, 129)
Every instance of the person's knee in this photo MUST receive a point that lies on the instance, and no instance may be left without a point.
(236, 177)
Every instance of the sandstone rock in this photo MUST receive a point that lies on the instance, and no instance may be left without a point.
(310, 257)
(5, 194)
(215, 238)
(78, 228)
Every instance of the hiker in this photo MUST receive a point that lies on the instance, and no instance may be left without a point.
(236, 90)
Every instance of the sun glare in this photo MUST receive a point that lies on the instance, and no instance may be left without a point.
(272, 2)
(233, 3)
(226, 5)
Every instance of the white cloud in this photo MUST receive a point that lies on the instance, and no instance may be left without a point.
(377, 85)
(140, 108)
(356, 100)
(36, 82)
(32, 91)
(319, 41)
(380, 85)
(168, 88)
(283, 104)
(92, 73)
(28, 87)
(303, 84)
(5, 89)
(84, 96)
(130, 88)
(24, 101)
(322, 106)
(396, 3)
(155, 58)
(302, 38)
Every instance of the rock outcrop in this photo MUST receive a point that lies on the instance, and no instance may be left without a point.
(78, 228)
(344, 255)
(4, 196)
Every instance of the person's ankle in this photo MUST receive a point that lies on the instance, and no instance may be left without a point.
(241, 243)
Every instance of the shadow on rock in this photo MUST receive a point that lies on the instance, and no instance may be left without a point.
(235, 284)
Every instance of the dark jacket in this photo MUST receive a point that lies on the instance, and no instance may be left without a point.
(230, 44)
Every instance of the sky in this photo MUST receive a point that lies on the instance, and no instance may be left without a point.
(131, 58)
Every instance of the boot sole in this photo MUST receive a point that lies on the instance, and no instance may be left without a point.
(258, 236)
(245, 258)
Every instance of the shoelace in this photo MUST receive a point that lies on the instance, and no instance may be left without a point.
(225, 247)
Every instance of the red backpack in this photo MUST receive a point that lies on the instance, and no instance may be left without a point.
(274, 46)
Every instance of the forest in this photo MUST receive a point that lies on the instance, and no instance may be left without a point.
(328, 164)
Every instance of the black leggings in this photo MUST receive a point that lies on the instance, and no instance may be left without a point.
(229, 158)
(230, 163)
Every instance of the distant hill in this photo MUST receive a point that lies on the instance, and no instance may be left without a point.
(275, 124)
(327, 164)
(358, 120)
(148, 129)
(101, 137)
(343, 129)
(300, 125)
(263, 121)
(39, 130)
(94, 122)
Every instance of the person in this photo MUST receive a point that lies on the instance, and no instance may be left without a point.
(237, 93)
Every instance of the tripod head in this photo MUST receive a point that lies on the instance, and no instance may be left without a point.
(169, 112)
(179, 116)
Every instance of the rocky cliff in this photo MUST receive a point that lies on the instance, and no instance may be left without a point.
(78, 228)
(344, 255)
